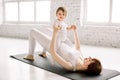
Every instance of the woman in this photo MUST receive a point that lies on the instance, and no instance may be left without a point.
(61, 49)
(88, 65)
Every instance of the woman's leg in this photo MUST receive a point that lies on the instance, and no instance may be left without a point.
(41, 38)
(43, 54)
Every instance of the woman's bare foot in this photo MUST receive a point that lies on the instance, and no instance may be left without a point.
(43, 54)
(29, 57)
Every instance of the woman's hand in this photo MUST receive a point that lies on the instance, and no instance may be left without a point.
(73, 27)
(57, 28)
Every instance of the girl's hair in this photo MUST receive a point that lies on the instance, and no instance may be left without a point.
(62, 9)
(94, 68)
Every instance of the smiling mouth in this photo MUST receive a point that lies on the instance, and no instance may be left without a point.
(61, 18)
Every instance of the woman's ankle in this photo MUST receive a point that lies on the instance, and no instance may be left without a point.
(43, 54)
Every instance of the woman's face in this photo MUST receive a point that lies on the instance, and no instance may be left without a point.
(60, 15)
(87, 61)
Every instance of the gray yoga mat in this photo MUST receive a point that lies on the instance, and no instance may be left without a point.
(45, 64)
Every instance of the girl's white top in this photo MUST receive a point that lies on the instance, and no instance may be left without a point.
(62, 34)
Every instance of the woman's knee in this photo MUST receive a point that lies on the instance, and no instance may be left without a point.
(33, 32)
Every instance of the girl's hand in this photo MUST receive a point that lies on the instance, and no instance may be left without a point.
(73, 27)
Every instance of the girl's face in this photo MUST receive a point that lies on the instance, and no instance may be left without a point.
(60, 15)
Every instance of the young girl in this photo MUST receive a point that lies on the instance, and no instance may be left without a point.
(61, 48)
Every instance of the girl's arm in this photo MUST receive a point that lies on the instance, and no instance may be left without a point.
(67, 65)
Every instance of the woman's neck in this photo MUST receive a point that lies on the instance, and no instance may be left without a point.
(79, 65)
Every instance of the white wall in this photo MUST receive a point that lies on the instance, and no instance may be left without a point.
(103, 36)
(19, 31)
(0, 12)
(73, 10)
(89, 35)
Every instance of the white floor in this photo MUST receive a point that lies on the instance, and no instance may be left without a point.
(11, 69)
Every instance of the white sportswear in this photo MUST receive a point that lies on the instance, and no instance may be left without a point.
(65, 49)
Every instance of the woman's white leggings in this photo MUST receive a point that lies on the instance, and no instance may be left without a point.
(43, 39)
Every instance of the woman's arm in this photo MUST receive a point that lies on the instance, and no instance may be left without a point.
(77, 41)
(76, 38)
(56, 57)
(68, 28)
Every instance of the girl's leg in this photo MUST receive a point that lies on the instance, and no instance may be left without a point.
(69, 42)
(43, 40)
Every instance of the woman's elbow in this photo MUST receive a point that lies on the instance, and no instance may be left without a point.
(69, 66)
(51, 48)
(69, 69)
(52, 51)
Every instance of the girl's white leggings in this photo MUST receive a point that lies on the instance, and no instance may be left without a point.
(43, 39)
